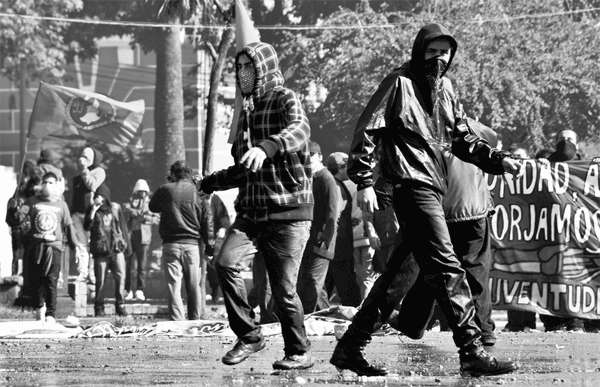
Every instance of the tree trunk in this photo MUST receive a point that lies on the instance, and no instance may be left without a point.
(213, 93)
(168, 103)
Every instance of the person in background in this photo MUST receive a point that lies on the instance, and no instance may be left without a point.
(139, 221)
(184, 220)
(91, 176)
(320, 247)
(49, 218)
(221, 222)
(520, 320)
(566, 149)
(18, 220)
(107, 246)
(518, 152)
(341, 268)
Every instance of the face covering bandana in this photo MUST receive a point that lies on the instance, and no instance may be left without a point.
(246, 78)
(565, 150)
(433, 69)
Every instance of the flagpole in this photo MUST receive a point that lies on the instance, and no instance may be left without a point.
(22, 165)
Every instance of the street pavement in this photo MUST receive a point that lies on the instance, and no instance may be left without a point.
(545, 359)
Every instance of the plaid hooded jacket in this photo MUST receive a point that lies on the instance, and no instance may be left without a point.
(274, 120)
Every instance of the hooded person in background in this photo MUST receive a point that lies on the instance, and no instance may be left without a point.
(91, 176)
(139, 220)
(50, 161)
(321, 243)
(274, 205)
(566, 149)
(108, 244)
(415, 117)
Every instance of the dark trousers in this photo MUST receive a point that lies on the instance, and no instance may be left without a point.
(554, 323)
(45, 274)
(428, 239)
(281, 244)
(311, 281)
(116, 264)
(518, 320)
(471, 241)
(136, 264)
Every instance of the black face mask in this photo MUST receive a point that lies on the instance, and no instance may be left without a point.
(433, 69)
(566, 150)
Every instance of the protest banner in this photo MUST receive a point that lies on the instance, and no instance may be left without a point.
(546, 239)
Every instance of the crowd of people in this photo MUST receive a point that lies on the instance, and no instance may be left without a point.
(394, 227)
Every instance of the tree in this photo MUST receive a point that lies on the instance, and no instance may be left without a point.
(168, 110)
(32, 49)
(525, 77)
(36, 44)
(219, 57)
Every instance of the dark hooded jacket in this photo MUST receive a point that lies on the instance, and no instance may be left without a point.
(399, 118)
(274, 120)
(84, 185)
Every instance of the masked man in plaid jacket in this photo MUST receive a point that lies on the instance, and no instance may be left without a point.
(274, 205)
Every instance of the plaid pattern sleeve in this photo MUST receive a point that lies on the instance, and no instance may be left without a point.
(296, 130)
(279, 126)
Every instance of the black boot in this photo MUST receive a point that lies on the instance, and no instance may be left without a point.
(120, 310)
(99, 310)
(348, 355)
(478, 362)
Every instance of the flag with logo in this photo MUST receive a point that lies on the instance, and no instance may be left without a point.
(69, 113)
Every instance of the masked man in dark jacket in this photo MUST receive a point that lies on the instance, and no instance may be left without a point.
(274, 205)
(416, 117)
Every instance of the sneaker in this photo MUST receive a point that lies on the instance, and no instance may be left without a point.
(349, 357)
(50, 320)
(294, 362)
(129, 296)
(241, 351)
(479, 362)
(139, 295)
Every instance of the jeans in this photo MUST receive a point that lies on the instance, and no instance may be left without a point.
(311, 280)
(281, 244)
(182, 262)
(46, 282)
(364, 269)
(260, 295)
(428, 239)
(116, 264)
(84, 262)
(136, 263)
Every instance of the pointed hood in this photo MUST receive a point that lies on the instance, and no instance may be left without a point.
(427, 34)
(266, 66)
(141, 185)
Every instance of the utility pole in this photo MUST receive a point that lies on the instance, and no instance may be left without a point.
(22, 125)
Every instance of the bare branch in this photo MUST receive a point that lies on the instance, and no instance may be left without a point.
(212, 51)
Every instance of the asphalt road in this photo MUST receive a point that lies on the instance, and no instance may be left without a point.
(545, 359)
